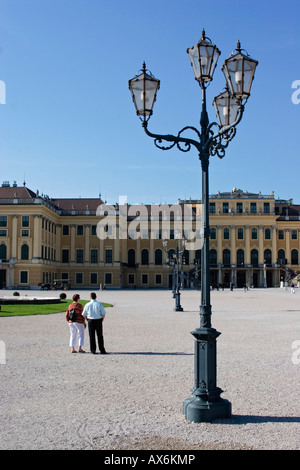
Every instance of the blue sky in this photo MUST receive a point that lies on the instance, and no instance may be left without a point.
(69, 126)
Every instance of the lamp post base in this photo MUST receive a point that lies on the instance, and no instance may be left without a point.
(206, 405)
(177, 307)
(198, 410)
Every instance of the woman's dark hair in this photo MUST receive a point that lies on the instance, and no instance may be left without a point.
(76, 297)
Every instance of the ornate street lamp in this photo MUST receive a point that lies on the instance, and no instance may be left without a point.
(174, 262)
(206, 404)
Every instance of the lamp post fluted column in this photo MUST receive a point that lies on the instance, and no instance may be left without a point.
(206, 403)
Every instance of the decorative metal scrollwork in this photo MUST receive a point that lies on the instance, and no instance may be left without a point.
(157, 143)
(183, 144)
(187, 143)
(219, 141)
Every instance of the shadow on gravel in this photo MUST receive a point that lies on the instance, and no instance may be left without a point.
(149, 353)
(239, 419)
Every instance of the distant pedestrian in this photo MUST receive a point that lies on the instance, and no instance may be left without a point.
(293, 288)
(76, 324)
(95, 314)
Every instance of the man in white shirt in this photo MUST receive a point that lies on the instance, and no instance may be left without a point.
(95, 314)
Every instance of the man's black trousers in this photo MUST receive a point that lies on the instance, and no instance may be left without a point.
(95, 328)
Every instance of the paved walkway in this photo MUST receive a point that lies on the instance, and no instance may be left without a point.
(132, 398)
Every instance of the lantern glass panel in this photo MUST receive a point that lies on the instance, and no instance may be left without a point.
(143, 89)
(239, 73)
(204, 57)
(226, 109)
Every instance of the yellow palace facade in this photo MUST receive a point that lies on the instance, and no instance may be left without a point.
(82, 243)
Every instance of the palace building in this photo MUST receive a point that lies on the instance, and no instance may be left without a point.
(83, 243)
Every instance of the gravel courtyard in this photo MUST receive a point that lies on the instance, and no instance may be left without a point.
(132, 397)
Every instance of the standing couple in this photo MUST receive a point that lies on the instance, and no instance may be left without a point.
(95, 313)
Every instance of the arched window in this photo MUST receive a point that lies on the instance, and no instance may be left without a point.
(158, 256)
(240, 257)
(254, 257)
(2, 251)
(281, 257)
(294, 257)
(268, 256)
(212, 257)
(145, 256)
(131, 258)
(25, 251)
(226, 257)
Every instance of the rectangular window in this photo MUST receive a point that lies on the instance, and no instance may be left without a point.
(267, 234)
(266, 207)
(25, 233)
(213, 233)
(25, 220)
(3, 233)
(65, 276)
(94, 278)
(239, 207)
(79, 278)
(65, 256)
(157, 278)
(23, 277)
(254, 234)
(79, 256)
(108, 256)
(212, 207)
(225, 207)
(108, 278)
(94, 256)
(3, 221)
(65, 229)
(131, 279)
(280, 234)
(144, 279)
(79, 229)
(94, 229)
(226, 233)
(253, 207)
(294, 234)
(240, 233)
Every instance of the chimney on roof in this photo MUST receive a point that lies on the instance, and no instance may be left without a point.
(5, 184)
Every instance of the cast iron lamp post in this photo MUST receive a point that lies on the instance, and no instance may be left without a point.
(175, 263)
(206, 404)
